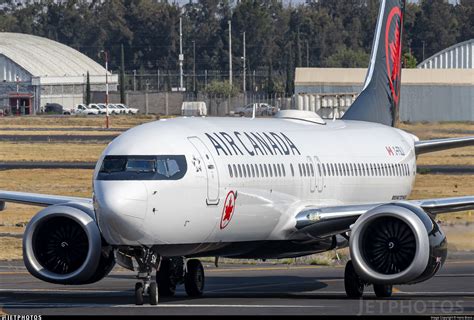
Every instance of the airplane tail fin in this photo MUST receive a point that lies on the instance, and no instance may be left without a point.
(380, 98)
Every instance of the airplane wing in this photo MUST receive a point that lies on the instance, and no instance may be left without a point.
(442, 144)
(327, 221)
(35, 199)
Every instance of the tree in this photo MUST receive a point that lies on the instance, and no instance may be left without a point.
(221, 89)
(409, 61)
(436, 27)
(337, 32)
(347, 58)
(465, 14)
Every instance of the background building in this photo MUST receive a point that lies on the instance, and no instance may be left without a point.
(35, 71)
(440, 89)
(459, 56)
(427, 94)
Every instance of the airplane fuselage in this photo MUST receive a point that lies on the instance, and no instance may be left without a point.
(244, 179)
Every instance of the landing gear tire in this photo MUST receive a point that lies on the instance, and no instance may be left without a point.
(194, 278)
(163, 277)
(383, 290)
(353, 284)
(139, 293)
(153, 292)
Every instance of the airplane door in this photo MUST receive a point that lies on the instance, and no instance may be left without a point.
(312, 175)
(319, 174)
(211, 170)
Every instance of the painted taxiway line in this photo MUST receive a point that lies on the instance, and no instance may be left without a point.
(62, 291)
(293, 268)
(98, 305)
(127, 293)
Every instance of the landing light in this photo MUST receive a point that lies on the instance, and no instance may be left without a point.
(314, 216)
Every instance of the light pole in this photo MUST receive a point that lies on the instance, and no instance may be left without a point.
(106, 54)
(181, 56)
(194, 66)
(230, 53)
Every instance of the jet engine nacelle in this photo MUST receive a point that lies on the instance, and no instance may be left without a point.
(397, 243)
(62, 244)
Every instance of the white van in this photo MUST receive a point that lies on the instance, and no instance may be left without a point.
(194, 108)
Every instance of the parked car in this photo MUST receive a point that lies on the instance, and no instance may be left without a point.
(99, 107)
(112, 108)
(55, 108)
(85, 110)
(126, 109)
(261, 109)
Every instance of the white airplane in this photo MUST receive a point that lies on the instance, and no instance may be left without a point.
(170, 191)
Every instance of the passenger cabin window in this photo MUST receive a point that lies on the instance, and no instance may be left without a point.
(143, 168)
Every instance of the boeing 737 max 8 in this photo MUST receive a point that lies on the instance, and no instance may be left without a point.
(170, 191)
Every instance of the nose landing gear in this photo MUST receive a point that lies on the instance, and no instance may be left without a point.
(147, 260)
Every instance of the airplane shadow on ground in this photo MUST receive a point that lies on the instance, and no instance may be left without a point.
(219, 290)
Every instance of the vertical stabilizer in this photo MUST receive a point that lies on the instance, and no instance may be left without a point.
(380, 98)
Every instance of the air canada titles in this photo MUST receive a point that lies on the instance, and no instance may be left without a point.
(252, 143)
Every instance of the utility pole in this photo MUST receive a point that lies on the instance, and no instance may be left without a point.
(307, 54)
(134, 80)
(17, 94)
(230, 53)
(158, 80)
(245, 63)
(106, 88)
(194, 66)
(244, 78)
(181, 56)
(423, 50)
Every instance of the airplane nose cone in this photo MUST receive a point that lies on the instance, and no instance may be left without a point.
(121, 209)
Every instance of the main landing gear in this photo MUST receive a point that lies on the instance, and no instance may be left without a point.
(175, 271)
(354, 285)
(170, 272)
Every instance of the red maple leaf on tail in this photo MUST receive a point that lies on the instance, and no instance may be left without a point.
(395, 53)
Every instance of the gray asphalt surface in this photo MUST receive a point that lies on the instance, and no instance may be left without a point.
(242, 290)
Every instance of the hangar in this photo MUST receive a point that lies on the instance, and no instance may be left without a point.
(459, 56)
(35, 71)
(440, 89)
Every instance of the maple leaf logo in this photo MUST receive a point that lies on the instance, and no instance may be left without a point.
(228, 210)
(395, 53)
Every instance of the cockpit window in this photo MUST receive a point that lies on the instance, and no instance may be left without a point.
(143, 168)
(141, 165)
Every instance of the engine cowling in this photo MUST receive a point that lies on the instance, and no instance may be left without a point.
(62, 244)
(397, 243)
